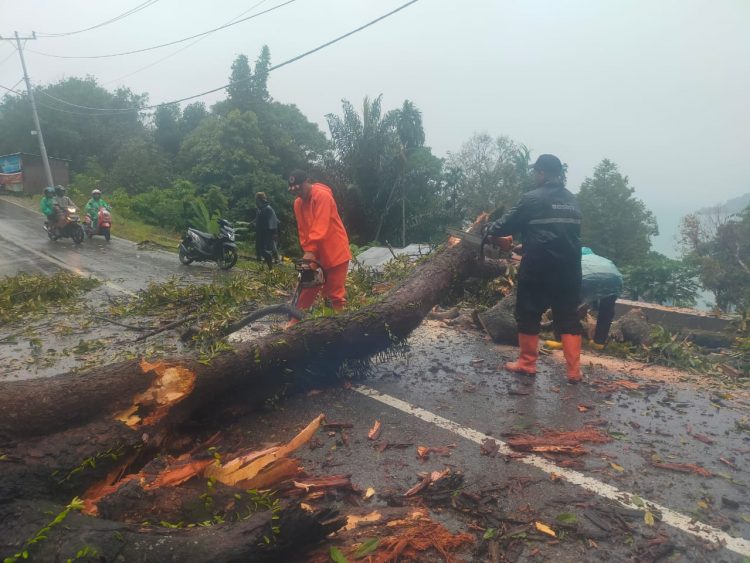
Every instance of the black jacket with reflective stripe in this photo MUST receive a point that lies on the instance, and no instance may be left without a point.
(549, 220)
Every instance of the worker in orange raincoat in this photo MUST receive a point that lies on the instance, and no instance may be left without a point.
(322, 237)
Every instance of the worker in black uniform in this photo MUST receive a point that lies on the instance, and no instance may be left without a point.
(549, 220)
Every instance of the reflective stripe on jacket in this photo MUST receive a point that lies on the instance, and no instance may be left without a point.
(549, 220)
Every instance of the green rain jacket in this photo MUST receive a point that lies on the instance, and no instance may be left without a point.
(93, 205)
(47, 205)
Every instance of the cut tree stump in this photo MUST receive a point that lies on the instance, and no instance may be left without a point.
(499, 321)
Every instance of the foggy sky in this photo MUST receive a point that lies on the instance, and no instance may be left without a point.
(660, 87)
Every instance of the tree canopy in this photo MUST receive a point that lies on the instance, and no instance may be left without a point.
(488, 173)
(388, 184)
(616, 224)
(718, 246)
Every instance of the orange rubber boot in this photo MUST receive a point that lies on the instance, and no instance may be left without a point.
(572, 353)
(526, 362)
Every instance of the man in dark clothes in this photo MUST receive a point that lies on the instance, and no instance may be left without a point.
(549, 220)
(266, 229)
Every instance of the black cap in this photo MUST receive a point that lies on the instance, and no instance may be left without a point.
(297, 177)
(549, 164)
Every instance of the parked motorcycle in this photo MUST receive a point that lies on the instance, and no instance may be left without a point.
(103, 224)
(71, 226)
(198, 246)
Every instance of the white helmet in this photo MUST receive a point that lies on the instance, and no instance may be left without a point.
(96, 192)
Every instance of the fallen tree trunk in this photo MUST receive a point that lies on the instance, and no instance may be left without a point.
(252, 539)
(141, 394)
(59, 436)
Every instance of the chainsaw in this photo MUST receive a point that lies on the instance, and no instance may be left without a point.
(478, 241)
(310, 274)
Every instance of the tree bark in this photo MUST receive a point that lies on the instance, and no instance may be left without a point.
(247, 540)
(60, 435)
(38, 407)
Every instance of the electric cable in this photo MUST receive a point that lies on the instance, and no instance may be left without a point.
(293, 59)
(130, 12)
(172, 54)
(272, 68)
(13, 52)
(42, 104)
(164, 44)
(13, 88)
(38, 90)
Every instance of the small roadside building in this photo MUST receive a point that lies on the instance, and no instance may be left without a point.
(24, 173)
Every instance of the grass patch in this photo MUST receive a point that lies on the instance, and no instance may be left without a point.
(132, 229)
(23, 294)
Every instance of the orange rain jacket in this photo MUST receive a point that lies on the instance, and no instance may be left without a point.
(320, 228)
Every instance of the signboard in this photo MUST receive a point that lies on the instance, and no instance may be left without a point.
(10, 169)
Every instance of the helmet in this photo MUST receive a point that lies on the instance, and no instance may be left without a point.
(96, 193)
(49, 191)
(59, 190)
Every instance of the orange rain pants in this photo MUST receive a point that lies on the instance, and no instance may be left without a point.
(333, 289)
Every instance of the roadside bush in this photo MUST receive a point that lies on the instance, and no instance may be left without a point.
(167, 207)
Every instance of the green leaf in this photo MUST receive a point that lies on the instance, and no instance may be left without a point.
(638, 501)
(337, 556)
(489, 533)
(566, 518)
(648, 518)
(368, 546)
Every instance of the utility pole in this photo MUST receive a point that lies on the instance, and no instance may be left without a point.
(40, 137)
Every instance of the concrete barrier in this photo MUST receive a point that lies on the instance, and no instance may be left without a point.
(676, 318)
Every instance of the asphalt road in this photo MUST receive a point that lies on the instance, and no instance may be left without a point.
(25, 247)
(444, 389)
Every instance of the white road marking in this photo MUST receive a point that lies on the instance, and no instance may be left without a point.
(669, 516)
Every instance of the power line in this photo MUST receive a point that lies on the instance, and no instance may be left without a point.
(12, 52)
(41, 104)
(275, 67)
(289, 61)
(172, 54)
(164, 44)
(130, 12)
(12, 88)
(80, 107)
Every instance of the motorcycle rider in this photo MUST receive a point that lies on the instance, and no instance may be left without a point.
(93, 205)
(62, 202)
(47, 206)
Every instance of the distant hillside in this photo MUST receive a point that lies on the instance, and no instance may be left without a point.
(734, 205)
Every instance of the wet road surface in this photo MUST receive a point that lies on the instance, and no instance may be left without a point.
(452, 374)
(25, 247)
(443, 373)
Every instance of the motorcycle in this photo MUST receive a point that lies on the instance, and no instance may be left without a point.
(103, 224)
(198, 246)
(71, 226)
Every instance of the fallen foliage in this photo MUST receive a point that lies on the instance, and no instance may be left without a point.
(24, 293)
(558, 442)
(374, 432)
(683, 468)
(415, 539)
(423, 452)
